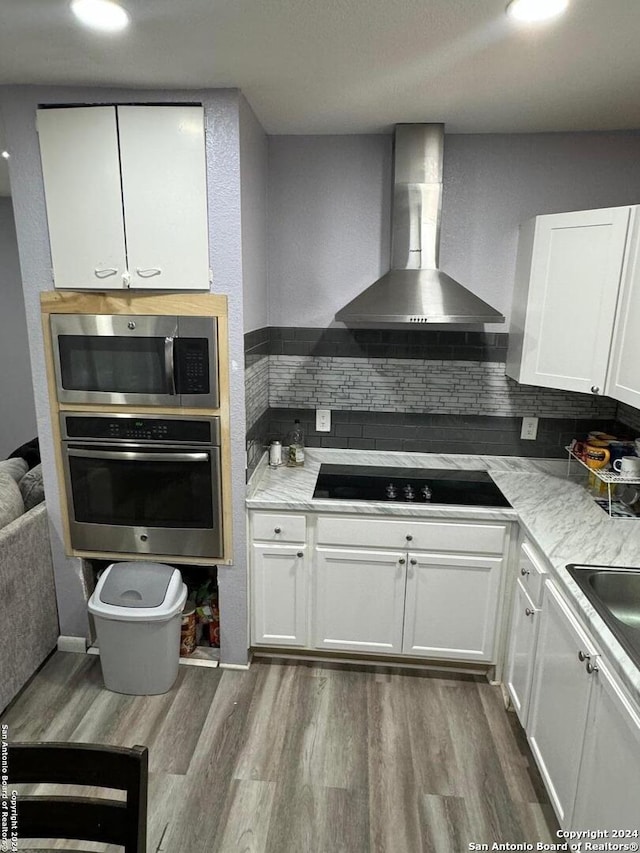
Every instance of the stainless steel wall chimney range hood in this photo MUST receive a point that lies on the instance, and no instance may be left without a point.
(415, 290)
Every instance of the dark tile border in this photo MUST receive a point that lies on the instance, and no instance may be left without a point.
(378, 343)
(430, 433)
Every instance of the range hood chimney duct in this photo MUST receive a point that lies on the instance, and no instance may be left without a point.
(415, 290)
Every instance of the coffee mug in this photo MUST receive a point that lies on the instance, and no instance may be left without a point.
(619, 449)
(627, 465)
(596, 457)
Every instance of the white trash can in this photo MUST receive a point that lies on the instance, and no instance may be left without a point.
(137, 608)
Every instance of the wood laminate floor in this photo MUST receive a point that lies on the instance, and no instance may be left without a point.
(293, 757)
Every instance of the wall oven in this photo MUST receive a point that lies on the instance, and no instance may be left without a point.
(148, 484)
(123, 359)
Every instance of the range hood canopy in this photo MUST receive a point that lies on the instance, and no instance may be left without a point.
(415, 290)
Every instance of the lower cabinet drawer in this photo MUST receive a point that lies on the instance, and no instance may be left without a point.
(268, 527)
(532, 572)
(458, 537)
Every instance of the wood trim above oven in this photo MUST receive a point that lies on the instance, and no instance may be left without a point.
(151, 303)
(133, 302)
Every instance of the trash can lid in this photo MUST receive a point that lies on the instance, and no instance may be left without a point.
(136, 584)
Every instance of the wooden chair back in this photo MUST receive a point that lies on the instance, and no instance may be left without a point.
(82, 818)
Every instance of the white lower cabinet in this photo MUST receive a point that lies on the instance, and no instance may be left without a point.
(582, 728)
(560, 699)
(356, 595)
(279, 595)
(359, 600)
(451, 606)
(520, 656)
(608, 795)
(523, 634)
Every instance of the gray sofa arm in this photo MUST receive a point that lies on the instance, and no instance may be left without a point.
(28, 611)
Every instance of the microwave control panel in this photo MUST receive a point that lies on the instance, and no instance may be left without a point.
(192, 365)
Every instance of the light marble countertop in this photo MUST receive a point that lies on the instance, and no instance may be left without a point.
(556, 512)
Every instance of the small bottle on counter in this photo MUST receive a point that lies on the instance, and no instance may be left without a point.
(296, 445)
(275, 454)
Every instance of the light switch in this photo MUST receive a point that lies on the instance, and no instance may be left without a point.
(323, 420)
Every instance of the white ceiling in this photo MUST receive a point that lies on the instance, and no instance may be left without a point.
(351, 66)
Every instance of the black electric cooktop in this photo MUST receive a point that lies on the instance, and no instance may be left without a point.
(408, 485)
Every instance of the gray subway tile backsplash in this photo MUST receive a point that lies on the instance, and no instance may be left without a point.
(412, 390)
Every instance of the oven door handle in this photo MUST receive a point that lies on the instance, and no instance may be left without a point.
(135, 456)
(169, 373)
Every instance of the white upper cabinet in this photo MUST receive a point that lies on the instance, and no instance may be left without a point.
(164, 186)
(623, 382)
(568, 276)
(81, 168)
(126, 198)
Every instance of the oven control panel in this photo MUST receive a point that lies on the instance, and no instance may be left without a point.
(141, 429)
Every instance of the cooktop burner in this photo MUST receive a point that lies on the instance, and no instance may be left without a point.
(407, 485)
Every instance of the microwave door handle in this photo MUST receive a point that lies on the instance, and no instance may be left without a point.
(135, 456)
(169, 374)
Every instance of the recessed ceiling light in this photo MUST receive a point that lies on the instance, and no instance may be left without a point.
(100, 15)
(5, 155)
(536, 10)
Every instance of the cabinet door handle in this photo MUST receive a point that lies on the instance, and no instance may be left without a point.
(583, 656)
(591, 667)
(413, 562)
(148, 273)
(402, 561)
(409, 537)
(277, 530)
(595, 389)
(529, 612)
(300, 553)
(106, 272)
(524, 572)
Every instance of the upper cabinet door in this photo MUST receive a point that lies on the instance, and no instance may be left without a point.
(164, 183)
(81, 170)
(567, 280)
(624, 371)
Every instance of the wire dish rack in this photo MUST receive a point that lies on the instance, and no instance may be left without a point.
(611, 479)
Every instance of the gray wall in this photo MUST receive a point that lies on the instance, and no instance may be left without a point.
(253, 186)
(329, 209)
(18, 419)
(223, 175)
(328, 223)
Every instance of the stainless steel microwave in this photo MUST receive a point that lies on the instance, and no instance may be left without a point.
(127, 359)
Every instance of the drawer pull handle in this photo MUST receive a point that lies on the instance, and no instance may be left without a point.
(529, 612)
(524, 572)
(277, 530)
(300, 554)
(409, 537)
(595, 389)
(583, 656)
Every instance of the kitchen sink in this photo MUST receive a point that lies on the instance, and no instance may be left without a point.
(615, 594)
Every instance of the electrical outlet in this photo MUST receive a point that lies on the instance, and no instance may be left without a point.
(323, 420)
(529, 429)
